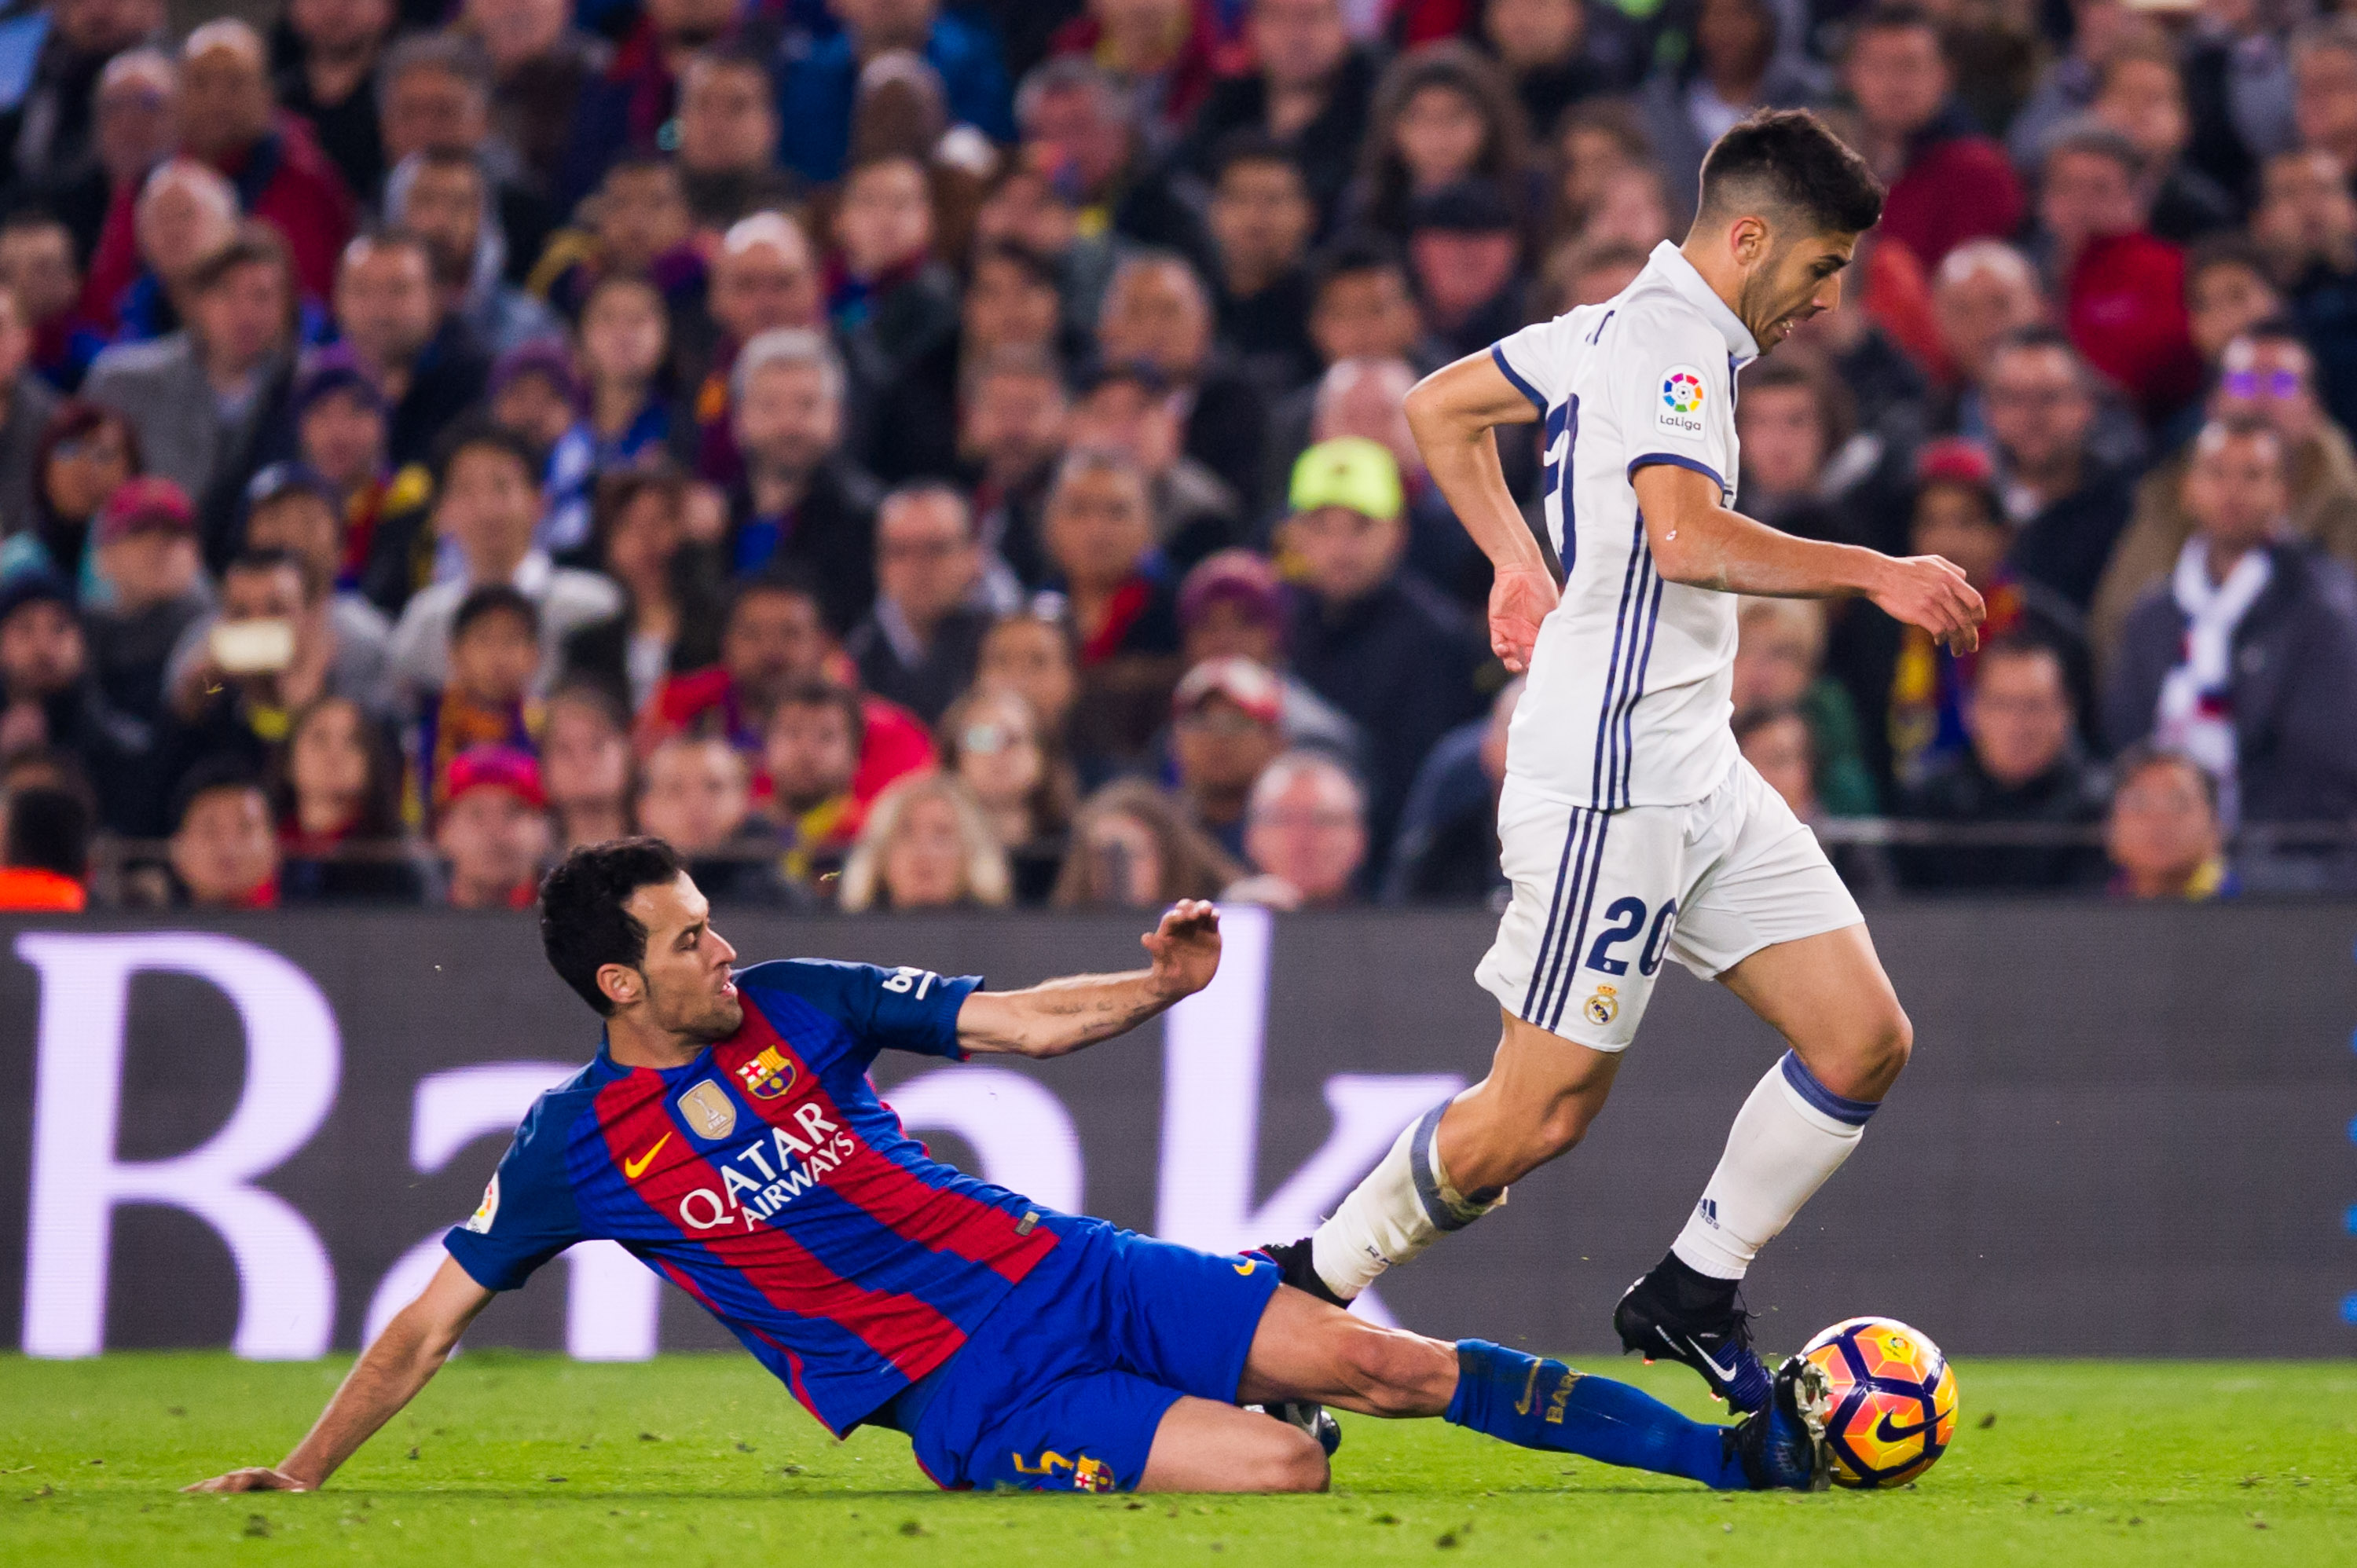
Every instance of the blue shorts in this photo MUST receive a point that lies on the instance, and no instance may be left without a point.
(1061, 1387)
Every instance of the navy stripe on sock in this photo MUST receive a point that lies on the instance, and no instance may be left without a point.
(1436, 1209)
(1804, 1083)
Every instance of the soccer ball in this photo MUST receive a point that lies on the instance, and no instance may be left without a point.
(1894, 1408)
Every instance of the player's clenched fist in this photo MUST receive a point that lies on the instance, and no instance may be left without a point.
(253, 1479)
(1519, 600)
(1932, 593)
(1185, 947)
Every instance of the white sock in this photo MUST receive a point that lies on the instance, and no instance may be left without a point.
(1403, 1205)
(1788, 1137)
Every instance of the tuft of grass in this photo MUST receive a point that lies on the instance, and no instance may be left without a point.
(2177, 1461)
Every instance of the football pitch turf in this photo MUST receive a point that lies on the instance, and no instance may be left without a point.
(512, 1460)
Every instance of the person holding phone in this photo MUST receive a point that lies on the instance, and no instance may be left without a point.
(237, 679)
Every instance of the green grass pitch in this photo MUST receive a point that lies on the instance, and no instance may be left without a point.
(513, 1460)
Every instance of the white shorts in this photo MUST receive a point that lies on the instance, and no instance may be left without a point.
(1602, 898)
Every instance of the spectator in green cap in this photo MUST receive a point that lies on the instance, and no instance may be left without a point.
(1366, 632)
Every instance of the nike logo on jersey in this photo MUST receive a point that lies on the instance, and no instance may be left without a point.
(633, 1169)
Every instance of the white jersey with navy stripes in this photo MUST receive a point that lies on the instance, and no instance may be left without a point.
(1628, 697)
(1629, 826)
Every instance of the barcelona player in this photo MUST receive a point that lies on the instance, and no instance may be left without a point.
(728, 1135)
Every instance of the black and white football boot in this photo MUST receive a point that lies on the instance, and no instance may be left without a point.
(1675, 1313)
(1296, 1267)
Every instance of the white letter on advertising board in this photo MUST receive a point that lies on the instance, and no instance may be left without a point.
(286, 1289)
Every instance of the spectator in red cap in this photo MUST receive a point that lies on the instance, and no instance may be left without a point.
(493, 829)
(1232, 606)
(147, 557)
(1948, 182)
(2123, 290)
(1226, 726)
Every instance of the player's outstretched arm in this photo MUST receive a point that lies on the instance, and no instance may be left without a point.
(1058, 1016)
(1451, 411)
(1696, 539)
(387, 1376)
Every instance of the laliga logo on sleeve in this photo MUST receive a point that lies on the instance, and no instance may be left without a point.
(1681, 395)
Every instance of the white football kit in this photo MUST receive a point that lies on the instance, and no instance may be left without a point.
(1630, 825)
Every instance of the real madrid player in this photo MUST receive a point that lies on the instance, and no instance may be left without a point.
(1631, 829)
(728, 1135)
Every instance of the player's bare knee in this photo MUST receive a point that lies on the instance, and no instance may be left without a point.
(1296, 1463)
(1891, 1042)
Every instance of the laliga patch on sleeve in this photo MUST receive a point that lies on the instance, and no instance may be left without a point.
(1678, 402)
(479, 1222)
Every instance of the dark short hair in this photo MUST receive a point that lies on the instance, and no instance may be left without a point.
(2027, 644)
(785, 582)
(1252, 146)
(585, 924)
(211, 776)
(1350, 256)
(2232, 249)
(48, 830)
(253, 245)
(492, 599)
(1789, 159)
(817, 693)
(1893, 16)
(1036, 270)
(474, 434)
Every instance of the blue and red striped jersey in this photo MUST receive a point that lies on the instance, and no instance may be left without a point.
(766, 1180)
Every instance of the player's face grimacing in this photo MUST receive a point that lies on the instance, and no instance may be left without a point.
(1793, 281)
(683, 981)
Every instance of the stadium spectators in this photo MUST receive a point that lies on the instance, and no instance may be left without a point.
(224, 852)
(493, 830)
(927, 846)
(991, 744)
(2067, 506)
(1366, 633)
(1306, 837)
(2246, 660)
(45, 853)
(918, 645)
(1446, 851)
(2022, 764)
(2164, 835)
(725, 273)
(1133, 848)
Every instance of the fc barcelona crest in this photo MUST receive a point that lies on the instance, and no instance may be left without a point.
(765, 1076)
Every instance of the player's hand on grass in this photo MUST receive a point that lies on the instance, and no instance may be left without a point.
(1185, 947)
(1519, 598)
(1932, 593)
(253, 1479)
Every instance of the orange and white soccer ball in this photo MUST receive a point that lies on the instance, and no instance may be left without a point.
(1894, 1405)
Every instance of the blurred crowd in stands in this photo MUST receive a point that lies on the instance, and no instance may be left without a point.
(916, 454)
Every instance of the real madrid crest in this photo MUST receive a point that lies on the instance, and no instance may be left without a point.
(708, 1110)
(1603, 1006)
